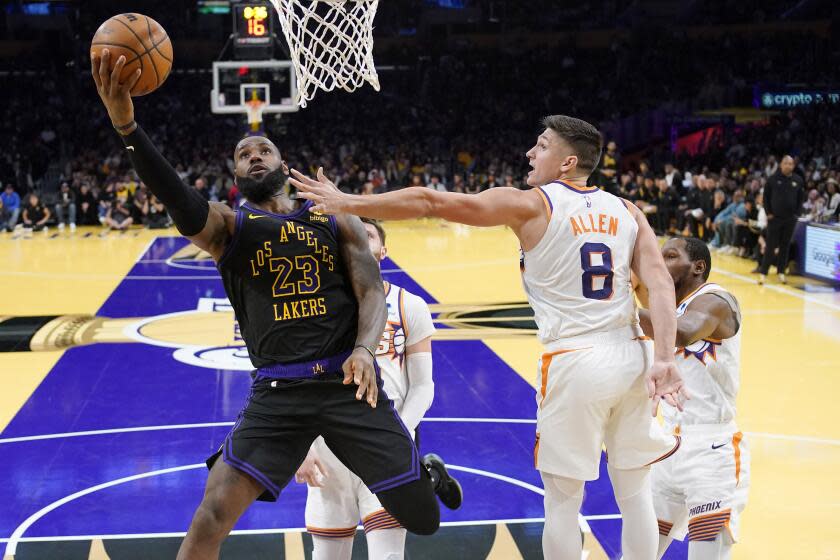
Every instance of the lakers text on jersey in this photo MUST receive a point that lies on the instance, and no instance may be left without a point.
(285, 279)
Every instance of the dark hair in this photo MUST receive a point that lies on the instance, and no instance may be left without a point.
(379, 229)
(698, 251)
(585, 140)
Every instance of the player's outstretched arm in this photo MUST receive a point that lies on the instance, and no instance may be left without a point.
(663, 378)
(708, 316)
(695, 324)
(195, 218)
(494, 207)
(366, 280)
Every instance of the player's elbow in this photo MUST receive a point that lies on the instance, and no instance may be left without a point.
(429, 202)
(658, 280)
(685, 336)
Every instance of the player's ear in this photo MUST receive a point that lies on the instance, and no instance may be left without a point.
(699, 267)
(285, 167)
(383, 252)
(570, 163)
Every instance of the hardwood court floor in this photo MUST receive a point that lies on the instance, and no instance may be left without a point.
(787, 405)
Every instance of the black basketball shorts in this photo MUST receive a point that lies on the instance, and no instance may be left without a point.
(282, 417)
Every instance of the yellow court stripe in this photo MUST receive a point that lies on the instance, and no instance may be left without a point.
(504, 547)
(293, 543)
(97, 550)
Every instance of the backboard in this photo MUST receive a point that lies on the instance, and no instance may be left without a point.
(235, 82)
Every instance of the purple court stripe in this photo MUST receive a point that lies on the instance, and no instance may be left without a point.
(230, 458)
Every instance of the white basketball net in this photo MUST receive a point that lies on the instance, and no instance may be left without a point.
(331, 43)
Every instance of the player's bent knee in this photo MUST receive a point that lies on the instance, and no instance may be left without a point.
(414, 505)
(427, 525)
(227, 495)
(212, 519)
(420, 521)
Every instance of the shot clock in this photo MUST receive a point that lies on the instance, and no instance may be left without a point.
(253, 29)
(252, 23)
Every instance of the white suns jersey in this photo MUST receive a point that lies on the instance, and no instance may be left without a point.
(409, 322)
(577, 278)
(710, 370)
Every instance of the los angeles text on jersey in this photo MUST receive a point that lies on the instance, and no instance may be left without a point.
(294, 275)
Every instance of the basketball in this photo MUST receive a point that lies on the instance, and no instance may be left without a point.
(145, 45)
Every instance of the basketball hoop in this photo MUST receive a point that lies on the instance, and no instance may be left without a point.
(255, 109)
(331, 44)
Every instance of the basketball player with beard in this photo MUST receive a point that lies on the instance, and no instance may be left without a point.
(702, 491)
(310, 303)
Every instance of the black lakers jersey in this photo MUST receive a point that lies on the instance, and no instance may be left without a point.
(286, 281)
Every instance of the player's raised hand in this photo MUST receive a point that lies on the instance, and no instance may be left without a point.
(322, 192)
(664, 382)
(312, 471)
(358, 369)
(115, 95)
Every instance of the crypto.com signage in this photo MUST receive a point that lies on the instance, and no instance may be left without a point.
(788, 98)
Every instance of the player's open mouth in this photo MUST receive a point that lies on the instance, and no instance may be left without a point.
(257, 168)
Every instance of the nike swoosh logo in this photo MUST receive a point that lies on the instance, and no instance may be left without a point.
(717, 446)
(256, 216)
(130, 148)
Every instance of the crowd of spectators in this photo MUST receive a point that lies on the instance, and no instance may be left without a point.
(458, 120)
(717, 195)
(460, 109)
(721, 196)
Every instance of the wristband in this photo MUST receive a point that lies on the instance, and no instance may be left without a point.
(368, 348)
(122, 128)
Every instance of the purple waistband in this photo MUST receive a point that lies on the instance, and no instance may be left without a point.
(315, 368)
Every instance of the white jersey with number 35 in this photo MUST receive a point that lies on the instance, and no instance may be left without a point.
(577, 278)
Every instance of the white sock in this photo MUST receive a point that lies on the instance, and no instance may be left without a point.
(325, 548)
(561, 534)
(639, 529)
(718, 549)
(386, 544)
